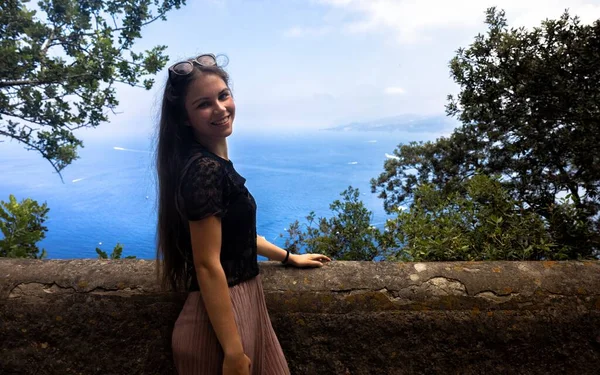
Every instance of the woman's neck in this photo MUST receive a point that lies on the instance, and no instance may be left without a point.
(218, 147)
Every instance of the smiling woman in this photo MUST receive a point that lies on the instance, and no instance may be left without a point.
(207, 238)
(211, 110)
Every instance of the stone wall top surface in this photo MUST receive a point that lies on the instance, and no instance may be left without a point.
(490, 280)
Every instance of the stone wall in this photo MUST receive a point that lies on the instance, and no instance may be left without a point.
(108, 317)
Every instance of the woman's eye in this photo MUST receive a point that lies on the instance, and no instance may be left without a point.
(224, 96)
(203, 105)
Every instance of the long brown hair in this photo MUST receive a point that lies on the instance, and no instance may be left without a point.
(174, 141)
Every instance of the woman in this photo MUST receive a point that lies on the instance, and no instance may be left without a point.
(207, 231)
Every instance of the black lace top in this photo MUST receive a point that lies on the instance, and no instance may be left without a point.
(211, 186)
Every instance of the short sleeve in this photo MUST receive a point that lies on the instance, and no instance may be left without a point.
(202, 189)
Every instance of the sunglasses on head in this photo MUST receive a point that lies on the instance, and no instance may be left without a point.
(183, 68)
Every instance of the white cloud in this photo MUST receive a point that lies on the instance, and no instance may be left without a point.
(296, 31)
(394, 91)
(411, 21)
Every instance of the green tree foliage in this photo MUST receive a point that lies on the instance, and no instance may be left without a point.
(59, 65)
(347, 235)
(116, 253)
(22, 227)
(529, 105)
(484, 223)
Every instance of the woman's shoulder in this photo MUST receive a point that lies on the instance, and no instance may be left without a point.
(202, 169)
(203, 161)
(202, 164)
(199, 157)
(204, 156)
(202, 186)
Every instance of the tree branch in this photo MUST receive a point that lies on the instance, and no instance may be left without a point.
(28, 82)
(159, 16)
(36, 148)
(573, 187)
(23, 82)
(129, 84)
(21, 117)
(71, 128)
(47, 42)
(67, 43)
(119, 58)
(43, 100)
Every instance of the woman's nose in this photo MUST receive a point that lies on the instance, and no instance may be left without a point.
(220, 107)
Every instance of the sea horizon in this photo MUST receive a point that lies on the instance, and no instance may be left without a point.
(108, 195)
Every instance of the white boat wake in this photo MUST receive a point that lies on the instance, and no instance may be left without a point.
(391, 156)
(130, 150)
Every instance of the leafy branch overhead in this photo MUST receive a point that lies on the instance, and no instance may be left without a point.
(59, 65)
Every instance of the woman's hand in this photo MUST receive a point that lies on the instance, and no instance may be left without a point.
(308, 260)
(238, 364)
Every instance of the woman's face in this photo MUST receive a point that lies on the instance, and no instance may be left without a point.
(210, 108)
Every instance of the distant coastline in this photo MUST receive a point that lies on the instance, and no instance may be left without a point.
(406, 123)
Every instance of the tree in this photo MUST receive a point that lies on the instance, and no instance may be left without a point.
(116, 253)
(347, 235)
(484, 223)
(21, 224)
(59, 66)
(529, 105)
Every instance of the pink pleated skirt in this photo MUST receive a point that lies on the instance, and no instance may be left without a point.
(196, 349)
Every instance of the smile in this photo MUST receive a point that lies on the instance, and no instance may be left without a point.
(221, 122)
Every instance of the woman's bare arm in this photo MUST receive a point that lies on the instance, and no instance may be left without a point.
(267, 249)
(274, 252)
(206, 246)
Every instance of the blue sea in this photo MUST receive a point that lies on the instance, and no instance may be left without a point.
(109, 194)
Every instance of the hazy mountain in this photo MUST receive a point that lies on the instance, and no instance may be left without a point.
(407, 123)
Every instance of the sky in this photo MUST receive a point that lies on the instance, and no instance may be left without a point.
(301, 65)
